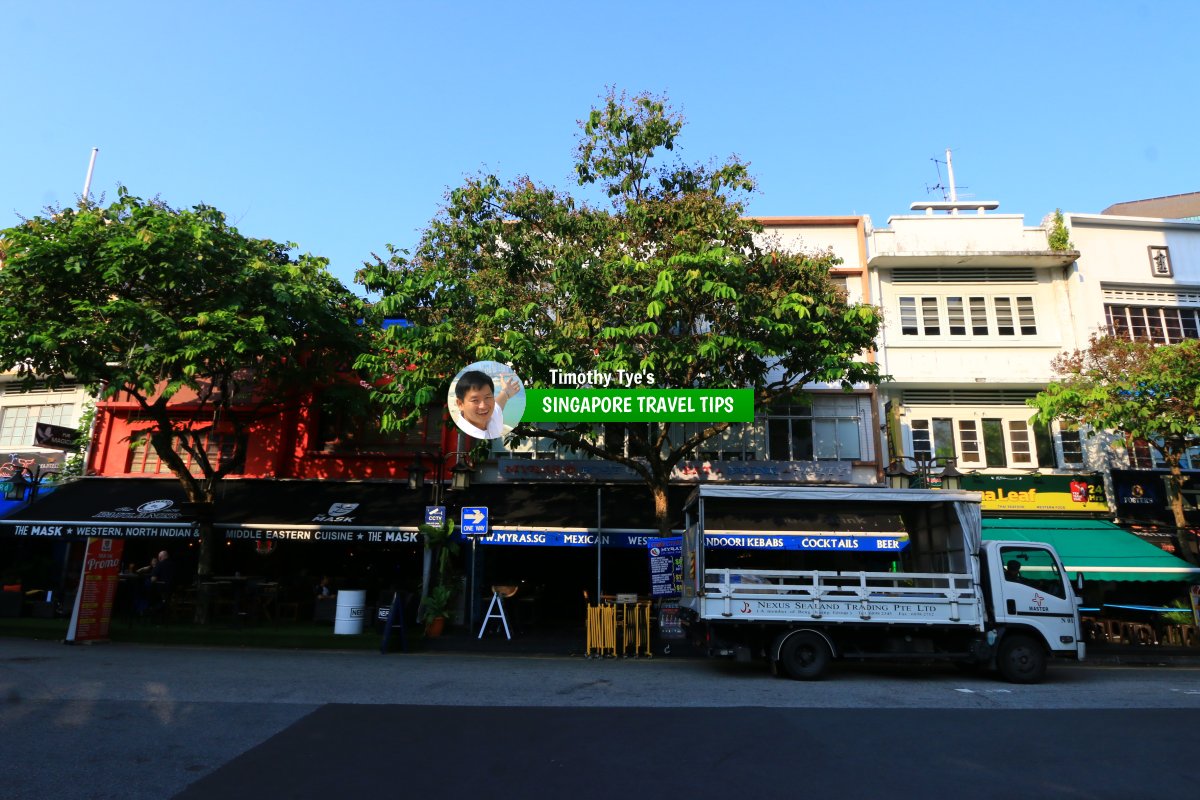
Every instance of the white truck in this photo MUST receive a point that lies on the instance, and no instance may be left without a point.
(804, 575)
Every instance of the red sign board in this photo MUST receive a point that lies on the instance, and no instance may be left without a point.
(97, 590)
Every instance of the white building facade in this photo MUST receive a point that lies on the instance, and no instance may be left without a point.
(1139, 278)
(21, 409)
(976, 307)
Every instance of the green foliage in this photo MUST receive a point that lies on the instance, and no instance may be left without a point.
(74, 465)
(1058, 237)
(673, 279)
(154, 302)
(438, 603)
(1183, 616)
(440, 541)
(1139, 390)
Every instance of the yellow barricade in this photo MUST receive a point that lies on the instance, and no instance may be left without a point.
(619, 628)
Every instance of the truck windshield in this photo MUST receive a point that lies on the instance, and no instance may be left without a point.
(1034, 567)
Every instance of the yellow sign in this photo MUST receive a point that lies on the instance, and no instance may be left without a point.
(1054, 493)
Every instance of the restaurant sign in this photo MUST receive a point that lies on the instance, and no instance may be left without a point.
(1041, 493)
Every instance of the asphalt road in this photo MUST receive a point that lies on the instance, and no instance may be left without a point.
(126, 721)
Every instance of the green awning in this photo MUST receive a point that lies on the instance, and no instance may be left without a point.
(1100, 550)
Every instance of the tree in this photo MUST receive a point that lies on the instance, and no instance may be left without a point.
(169, 306)
(1139, 390)
(671, 279)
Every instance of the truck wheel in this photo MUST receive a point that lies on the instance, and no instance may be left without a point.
(805, 656)
(1021, 659)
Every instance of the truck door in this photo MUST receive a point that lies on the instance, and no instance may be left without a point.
(1034, 591)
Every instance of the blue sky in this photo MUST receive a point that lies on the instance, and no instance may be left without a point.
(340, 126)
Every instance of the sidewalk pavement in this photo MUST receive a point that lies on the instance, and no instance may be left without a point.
(567, 643)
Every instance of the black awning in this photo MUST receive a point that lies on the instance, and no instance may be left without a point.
(245, 509)
(369, 512)
(110, 507)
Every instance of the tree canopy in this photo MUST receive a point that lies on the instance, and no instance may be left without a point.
(670, 278)
(1138, 390)
(151, 301)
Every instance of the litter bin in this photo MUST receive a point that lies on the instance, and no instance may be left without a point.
(351, 610)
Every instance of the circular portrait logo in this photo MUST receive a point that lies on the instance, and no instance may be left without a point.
(486, 399)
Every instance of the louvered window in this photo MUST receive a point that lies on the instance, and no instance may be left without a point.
(1158, 324)
(933, 315)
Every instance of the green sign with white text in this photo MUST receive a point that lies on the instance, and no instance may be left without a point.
(639, 405)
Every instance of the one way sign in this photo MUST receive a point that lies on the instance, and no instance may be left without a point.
(474, 521)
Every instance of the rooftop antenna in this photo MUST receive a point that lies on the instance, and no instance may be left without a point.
(950, 172)
(87, 182)
(950, 194)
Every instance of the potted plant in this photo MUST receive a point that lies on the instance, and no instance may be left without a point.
(436, 608)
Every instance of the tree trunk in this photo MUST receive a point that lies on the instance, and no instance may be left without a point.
(204, 569)
(661, 511)
(1174, 484)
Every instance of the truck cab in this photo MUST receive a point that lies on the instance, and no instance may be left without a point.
(1032, 606)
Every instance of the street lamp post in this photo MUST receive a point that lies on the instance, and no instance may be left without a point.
(926, 471)
(460, 479)
(27, 481)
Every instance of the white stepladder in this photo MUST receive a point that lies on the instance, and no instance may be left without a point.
(496, 609)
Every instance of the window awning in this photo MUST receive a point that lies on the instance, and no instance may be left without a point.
(246, 509)
(1100, 550)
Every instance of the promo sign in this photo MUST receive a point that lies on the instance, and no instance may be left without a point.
(92, 614)
(666, 566)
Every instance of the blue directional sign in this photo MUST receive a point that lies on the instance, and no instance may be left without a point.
(474, 521)
(435, 516)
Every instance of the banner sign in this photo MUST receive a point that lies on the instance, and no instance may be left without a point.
(1040, 493)
(92, 614)
(322, 534)
(571, 537)
(792, 540)
(583, 471)
(114, 530)
(810, 540)
(666, 566)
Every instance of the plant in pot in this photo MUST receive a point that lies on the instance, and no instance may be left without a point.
(436, 609)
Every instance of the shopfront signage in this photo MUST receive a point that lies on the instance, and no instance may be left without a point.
(1141, 496)
(576, 537)
(768, 540)
(47, 435)
(115, 530)
(839, 541)
(352, 536)
(1041, 493)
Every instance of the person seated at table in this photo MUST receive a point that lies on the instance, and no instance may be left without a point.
(162, 581)
(324, 590)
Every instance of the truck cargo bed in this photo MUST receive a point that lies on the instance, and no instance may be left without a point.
(838, 597)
